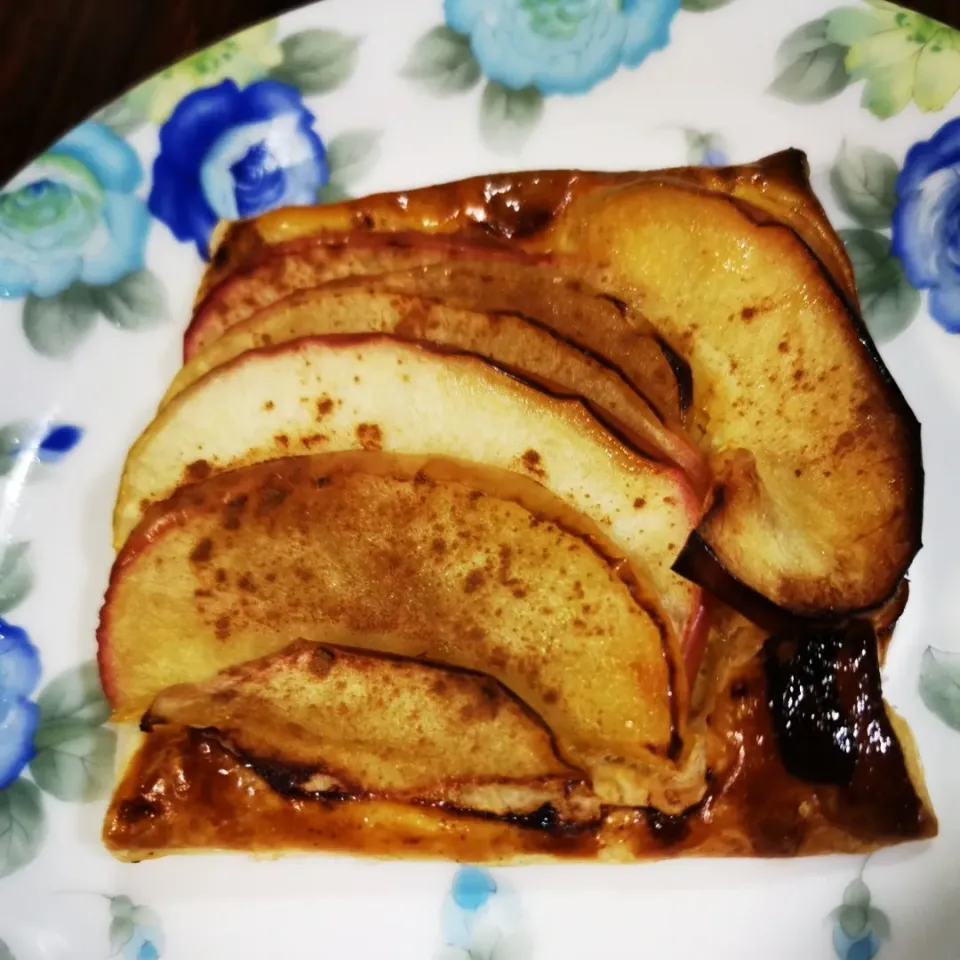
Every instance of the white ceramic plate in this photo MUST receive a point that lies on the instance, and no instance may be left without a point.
(101, 245)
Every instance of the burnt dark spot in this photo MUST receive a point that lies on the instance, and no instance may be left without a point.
(667, 828)
(748, 313)
(197, 471)
(245, 583)
(508, 218)
(271, 497)
(831, 726)
(363, 221)
(282, 440)
(639, 503)
(268, 405)
(543, 818)
(222, 628)
(739, 689)
(370, 436)
(202, 552)
(473, 581)
(532, 461)
(233, 511)
(324, 406)
(221, 575)
(135, 811)
(322, 482)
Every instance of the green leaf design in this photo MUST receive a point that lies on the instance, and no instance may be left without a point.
(442, 61)
(810, 68)
(857, 894)
(55, 326)
(351, 156)
(134, 302)
(317, 61)
(121, 933)
(74, 761)
(16, 576)
(123, 116)
(121, 907)
(507, 116)
(889, 302)
(940, 685)
(23, 825)
(74, 695)
(879, 923)
(333, 193)
(853, 920)
(703, 6)
(863, 180)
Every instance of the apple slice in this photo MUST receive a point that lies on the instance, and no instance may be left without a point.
(598, 323)
(475, 275)
(469, 566)
(817, 451)
(327, 722)
(379, 392)
(512, 341)
(286, 268)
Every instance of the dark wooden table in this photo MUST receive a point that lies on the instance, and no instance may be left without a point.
(61, 59)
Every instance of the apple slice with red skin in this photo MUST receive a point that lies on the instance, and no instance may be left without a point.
(519, 343)
(284, 268)
(323, 394)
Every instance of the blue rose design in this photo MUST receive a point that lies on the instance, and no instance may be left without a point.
(560, 46)
(145, 944)
(19, 715)
(57, 442)
(863, 947)
(926, 222)
(72, 215)
(227, 153)
(858, 928)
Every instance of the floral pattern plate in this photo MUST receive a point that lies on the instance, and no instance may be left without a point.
(102, 242)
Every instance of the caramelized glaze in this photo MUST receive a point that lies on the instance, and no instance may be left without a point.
(184, 791)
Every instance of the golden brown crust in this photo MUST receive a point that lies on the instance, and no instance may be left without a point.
(778, 184)
(325, 721)
(183, 792)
